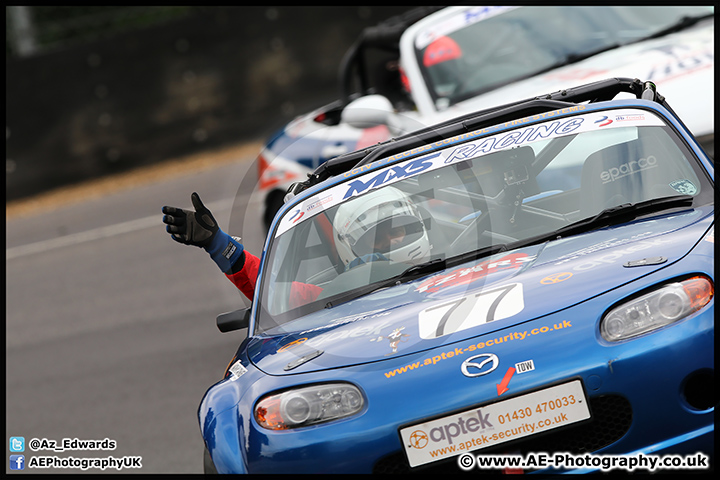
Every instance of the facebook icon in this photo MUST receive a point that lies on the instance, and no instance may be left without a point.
(17, 462)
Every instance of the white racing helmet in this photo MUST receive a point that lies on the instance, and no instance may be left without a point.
(384, 222)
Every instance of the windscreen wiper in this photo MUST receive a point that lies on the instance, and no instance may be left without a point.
(437, 264)
(475, 254)
(684, 22)
(569, 60)
(422, 269)
(416, 271)
(611, 216)
(579, 57)
(625, 212)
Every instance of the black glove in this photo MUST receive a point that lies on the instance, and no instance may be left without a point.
(191, 228)
(200, 228)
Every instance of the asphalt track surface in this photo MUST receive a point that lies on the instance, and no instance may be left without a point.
(110, 325)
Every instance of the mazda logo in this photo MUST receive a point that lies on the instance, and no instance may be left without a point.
(473, 367)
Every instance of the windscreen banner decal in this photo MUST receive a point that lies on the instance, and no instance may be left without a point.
(462, 148)
(457, 22)
(471, 311)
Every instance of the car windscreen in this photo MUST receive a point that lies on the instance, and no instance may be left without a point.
(483, 48)
(481, 190)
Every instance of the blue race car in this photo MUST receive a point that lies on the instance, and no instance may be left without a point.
(530, 283)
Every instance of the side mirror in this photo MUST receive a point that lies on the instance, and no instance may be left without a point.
(368, 111)
(373, 110)
(227, 322)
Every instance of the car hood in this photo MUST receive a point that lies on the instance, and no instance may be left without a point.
(480, 297)
(680, 64)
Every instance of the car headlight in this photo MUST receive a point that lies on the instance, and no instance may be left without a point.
(305, 406)
(667, 304)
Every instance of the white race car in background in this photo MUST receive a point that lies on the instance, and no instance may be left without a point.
(430, 66)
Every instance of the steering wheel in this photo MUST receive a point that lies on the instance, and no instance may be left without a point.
(470, 238)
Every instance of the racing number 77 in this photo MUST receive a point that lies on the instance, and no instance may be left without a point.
(474, 310)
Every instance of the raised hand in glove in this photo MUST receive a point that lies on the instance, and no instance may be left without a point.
(200, 228)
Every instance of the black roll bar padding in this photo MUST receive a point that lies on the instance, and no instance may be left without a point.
(346, 70)
(459, 126)
(385, 35)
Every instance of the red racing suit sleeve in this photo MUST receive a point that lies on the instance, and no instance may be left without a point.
(246, 278)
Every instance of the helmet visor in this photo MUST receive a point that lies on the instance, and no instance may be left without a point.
(390, 234)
